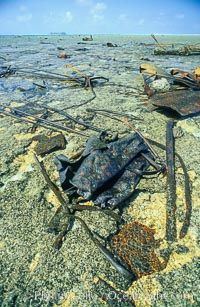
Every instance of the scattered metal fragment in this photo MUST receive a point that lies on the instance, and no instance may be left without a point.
(107, 254)
(111, 45)
(66, 115)
(63, 55)
(184, 51)
(184, 102)
(189, 79)
(90, 38)
(160, 45)
(70, 215)
(106, 173)
(153, 70)
(40, 85)
(36, 125)
(188, 200)
(171, 232)
(24, 116)
(83, 80)
(47, 145)
(133, 248)
(185, 78)
(113, 112)
(52, 186)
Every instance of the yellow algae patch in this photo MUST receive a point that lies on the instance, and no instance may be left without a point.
(25, 161)
(151, 212)
(20, 136)
(176, 260)
(51, 198)
(88, 203)
(192, 175)
(197, 71)
(144, 291)
(34, 262)
(1, 245)
(180, 192)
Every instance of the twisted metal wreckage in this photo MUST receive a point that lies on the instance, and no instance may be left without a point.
(114, 167)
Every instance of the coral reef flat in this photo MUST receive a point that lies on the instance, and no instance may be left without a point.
(32, 271)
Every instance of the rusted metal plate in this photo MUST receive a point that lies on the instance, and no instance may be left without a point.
(184, 102)
(47, 144)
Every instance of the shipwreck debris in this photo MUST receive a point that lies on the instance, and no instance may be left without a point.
(63, 55)
(189, 79)
(188, 199)
(171, 232)
(47, 144)
(181, 51)
(83, 80)
(111, 45)
(29, 118)
(86, 38)
(70, 215)
(184, 102)
(113, 169)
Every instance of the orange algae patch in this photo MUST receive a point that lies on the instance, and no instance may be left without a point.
(135, 246)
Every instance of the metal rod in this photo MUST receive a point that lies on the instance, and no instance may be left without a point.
(171, 231)
(46, 122)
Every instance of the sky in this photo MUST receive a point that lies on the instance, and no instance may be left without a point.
(42, 17)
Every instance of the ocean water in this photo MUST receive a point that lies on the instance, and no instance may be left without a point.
(32, 272)
(93, 58)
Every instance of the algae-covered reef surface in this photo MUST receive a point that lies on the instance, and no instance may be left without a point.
(32, 271)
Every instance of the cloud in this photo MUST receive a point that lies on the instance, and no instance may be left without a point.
(97, 11)
(84, 2)
(141, 22)
(24, 17)
(68, 16)
(123, 17)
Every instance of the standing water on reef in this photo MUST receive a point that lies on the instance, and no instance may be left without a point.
(49, 87)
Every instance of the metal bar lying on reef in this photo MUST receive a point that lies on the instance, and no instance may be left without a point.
(71, 215)
(33, 119)
(171, 232)
(65, 114)
(188, 200)
(113, 112)
(51, 185)
(40, 73)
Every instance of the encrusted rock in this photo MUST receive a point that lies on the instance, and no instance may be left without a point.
(160, 85)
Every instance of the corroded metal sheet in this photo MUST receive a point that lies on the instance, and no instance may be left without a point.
(184, 102)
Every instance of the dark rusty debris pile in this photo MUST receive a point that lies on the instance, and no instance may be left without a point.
(177, 91)
(107, 173)
(173, 49)
(109, 169)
